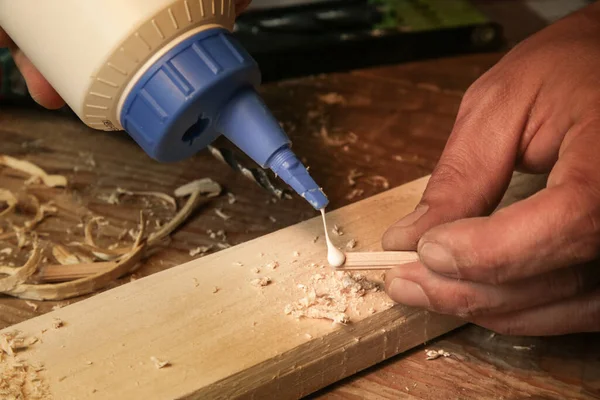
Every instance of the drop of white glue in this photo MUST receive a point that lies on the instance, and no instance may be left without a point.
(335, 257)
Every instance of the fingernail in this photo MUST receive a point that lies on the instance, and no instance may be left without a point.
(438, 258)
(408, 293)
(411, 218)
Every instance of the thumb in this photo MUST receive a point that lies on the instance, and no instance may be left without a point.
(475, 167)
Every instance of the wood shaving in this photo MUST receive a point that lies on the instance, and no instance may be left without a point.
(337, 230)
(238, 264)
(8, 251)
(351, 244)
(355, 193)
(433, 354)
(231, 198)
(161, 196)
(256, 270)
(332, 296)
(34, 171)
(223, 245)
(315, 239)
(272, 219)
(272, 265)
(204, 186)
(57, 323)
(64, 256)
(221, 214)
(295, 254)
(260, 282)
(18, 378)
(159, 363)
(337, 142)
(202, 250)
(216, 289)
(332, 98)
(11, 201)
(32, 305)
(523, 347)
(378, 180)
(352, 175)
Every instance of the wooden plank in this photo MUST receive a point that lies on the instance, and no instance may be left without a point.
(226, 338)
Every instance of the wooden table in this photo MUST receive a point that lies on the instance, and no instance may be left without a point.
(401, 116)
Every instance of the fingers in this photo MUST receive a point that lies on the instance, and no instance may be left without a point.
(417, 286)
(477, 163)
(578, 314)
(241, 5)
(39, 88)
(557, 227)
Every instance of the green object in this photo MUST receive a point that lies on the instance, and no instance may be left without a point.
(424, 15)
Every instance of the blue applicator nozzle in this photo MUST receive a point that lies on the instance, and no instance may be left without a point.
(248, 123)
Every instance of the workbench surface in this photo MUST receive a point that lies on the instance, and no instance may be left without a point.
(401, 116)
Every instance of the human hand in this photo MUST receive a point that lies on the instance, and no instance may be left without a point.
(39, 88)
(527, 269)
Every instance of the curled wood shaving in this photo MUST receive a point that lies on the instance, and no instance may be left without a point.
(202, 186)
(11, 201)
(378, 180)
(33, 170)
(120, 260)
(161, 196)
(351, 244)
(195, 190)
(22, 274)
(433, 354)
(64, 256)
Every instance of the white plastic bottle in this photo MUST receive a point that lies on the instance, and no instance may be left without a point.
(168, 72)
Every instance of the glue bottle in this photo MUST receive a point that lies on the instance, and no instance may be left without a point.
(168, 72)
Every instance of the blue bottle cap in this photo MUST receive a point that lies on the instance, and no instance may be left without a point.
(203, 87)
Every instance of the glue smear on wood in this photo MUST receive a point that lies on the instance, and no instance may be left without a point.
(335, 257)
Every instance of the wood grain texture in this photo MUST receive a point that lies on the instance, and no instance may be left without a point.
(226, 338)
(402, 116)
(377, 260)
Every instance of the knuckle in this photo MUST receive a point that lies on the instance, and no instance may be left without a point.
(469, 304)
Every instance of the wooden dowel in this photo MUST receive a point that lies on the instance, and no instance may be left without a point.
(377, 260)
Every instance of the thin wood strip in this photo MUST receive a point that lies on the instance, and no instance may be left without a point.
(377, 260)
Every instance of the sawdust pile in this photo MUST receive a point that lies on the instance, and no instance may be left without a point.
(18, 378)
(57, 271)
(331, 295)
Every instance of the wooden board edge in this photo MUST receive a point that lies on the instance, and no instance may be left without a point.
(343, 353)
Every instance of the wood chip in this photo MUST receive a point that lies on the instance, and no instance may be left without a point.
(433, 354)
(221, 214)
(272, 265)
(32, 305)
(202, 250)
(378, 180)
(352, 175)
(332, 98)
(272, 219)
(231, 198)
(216, 289)
(11, 201)
(159, 363)
(336, 229)
(260, 282)
(351, 244)
(256, 270)
(336, 141)
(355, 193)
(34, 171)
(57, 323)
